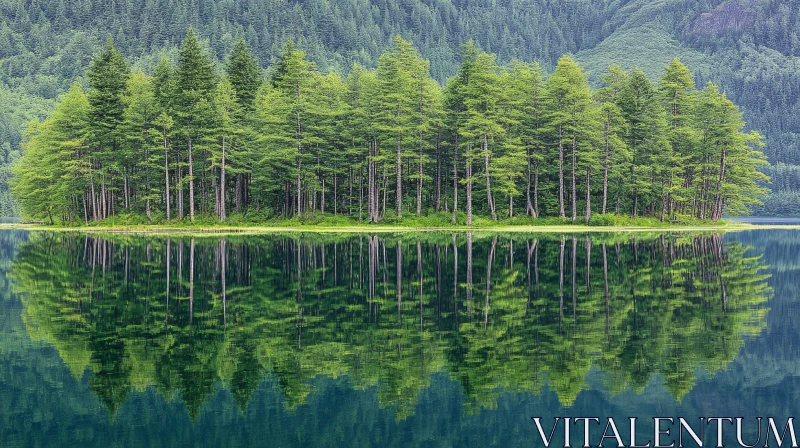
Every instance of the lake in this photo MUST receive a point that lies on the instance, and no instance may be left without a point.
(413, 339)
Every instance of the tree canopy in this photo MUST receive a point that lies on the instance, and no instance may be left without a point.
(189, 142)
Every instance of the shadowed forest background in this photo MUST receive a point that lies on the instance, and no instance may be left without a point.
(748, 47)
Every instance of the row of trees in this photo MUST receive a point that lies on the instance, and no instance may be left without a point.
(188, 141)
(495, 314)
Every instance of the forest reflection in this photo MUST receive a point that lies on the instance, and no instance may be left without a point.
(497, 313)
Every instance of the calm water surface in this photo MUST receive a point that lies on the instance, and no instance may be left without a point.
(390, 340)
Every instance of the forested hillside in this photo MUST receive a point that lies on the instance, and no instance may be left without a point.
(749, 47)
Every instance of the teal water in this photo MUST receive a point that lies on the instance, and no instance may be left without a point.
(434, 340)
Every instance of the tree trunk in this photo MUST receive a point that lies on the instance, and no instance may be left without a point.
(191, 182)
(438, 195)
(399, 189)
(469, 190)
(350, 191)
(239, 193)
(216, 195)
(455, 179)
(528, 203)
(385, 190)
(488, 176)
(222, 212)
(94, 197)
(605, 166)
(125, 192)
(372, 202)
(574, 183)
(179, 186)
(298, 212)
(419, 178)
(536, 191)
(166, 174)
(561, 212)
(103, 200)
(716, 212)
(588, 196)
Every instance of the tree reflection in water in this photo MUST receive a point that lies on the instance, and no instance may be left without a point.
(497, 313)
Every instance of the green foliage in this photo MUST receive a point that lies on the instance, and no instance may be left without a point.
(494, 313)
(54, 165)
(314, 143)
(749, 48)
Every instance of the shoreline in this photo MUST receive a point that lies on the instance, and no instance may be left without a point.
(256, 230)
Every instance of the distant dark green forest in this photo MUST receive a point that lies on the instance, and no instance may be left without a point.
(749, 47)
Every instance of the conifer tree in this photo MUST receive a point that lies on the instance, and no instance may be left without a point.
(244, 75)
(243, 71)
(108, 77)
(482, 101)
(164, 91)
(50, 179)
(568, 100)
(646, 138)
(194, 83)
(226, 133)
(678, 94)
(400, 70)
(361, 132)
(525, 91)
(141, 143)
(456, 115)
(291, 102)
(615, 154)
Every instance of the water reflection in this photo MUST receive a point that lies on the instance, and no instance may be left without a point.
(497, 314)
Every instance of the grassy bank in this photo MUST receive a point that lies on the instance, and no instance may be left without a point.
(432, 222)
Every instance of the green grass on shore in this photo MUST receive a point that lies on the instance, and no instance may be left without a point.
(432, 222)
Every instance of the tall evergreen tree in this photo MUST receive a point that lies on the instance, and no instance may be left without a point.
(483, 104)
(646, 139)
(456, 115)
(245, 77)
(525, 91)
(108, 77)
(194, 83)
(244, 74)
(140, 147)
(678, 94)
(50, 179)
(164, 91)
(292, 100)
(568, 100)
(400, 72)
(615, 154)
